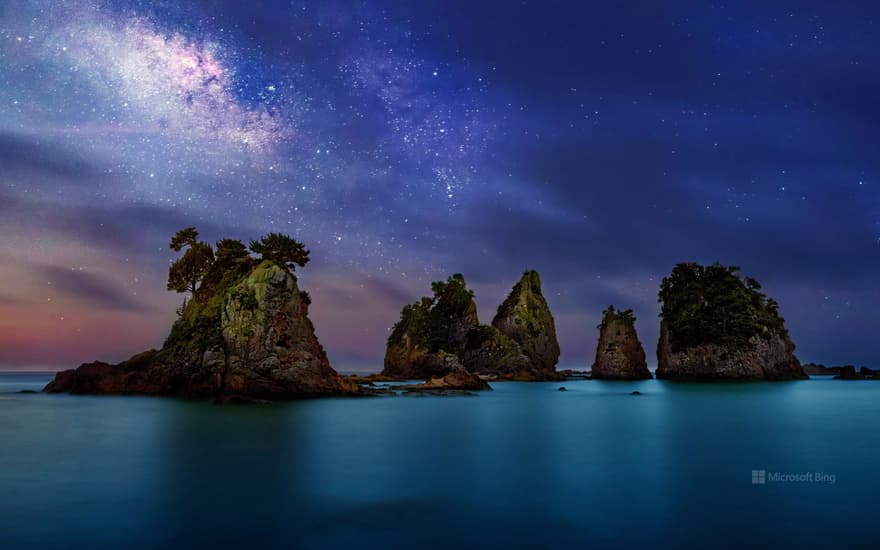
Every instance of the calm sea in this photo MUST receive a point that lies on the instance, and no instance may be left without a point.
(525, 466)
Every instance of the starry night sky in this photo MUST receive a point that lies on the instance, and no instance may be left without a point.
(404, 141)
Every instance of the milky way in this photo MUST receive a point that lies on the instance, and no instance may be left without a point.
(403, 142)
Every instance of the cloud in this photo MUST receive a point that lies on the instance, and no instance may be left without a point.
(92, 288)
(38, 160)
(6, 299)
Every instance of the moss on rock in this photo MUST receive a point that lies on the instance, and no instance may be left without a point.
(526, 319)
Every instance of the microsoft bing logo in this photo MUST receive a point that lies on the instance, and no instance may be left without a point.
(759, 477)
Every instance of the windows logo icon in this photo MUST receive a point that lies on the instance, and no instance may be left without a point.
(759, 477)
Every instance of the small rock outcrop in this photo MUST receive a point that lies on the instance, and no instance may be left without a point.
(842, 372)
(525, 318)
(437, 334)
(716, 325)
(849, 372)
(453, 382)
(813, 369)
(244, 335)
(619, 354)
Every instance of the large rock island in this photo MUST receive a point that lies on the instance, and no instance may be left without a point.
(619, 354)
(441, 334)
(244, 333)
(716, 325)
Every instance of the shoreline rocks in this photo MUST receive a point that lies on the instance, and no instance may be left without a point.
(619, 353)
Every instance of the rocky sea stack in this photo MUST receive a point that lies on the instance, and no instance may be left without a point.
(619, 354)
(525, 318)
(716, 325)
(441, 334)
(244, 333)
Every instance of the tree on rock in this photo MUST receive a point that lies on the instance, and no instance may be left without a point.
(229, 252)
(183, 238)
(281, 249)
(713, 304)
(186, 272)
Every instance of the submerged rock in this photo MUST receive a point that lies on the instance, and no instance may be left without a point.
(619, 354)
(245, 335)
(716, 325)
(525, 318)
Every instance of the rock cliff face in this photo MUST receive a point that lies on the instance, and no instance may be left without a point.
(765, 358)
(619, 354)
(489, 351)
(718, 326)
(245, 334)
(525, 318)
(521, 343)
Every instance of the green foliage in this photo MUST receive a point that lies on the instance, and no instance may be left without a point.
(214, 279)
(230, 252)
(429, 321)
(183, 238)
(186, 272)
(529, 280)
(200, 324)
(487, 335)
(703, 305)
(625, 316)
(281, 249)
(244, 296)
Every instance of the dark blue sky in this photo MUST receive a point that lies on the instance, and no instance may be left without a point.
(404, 141)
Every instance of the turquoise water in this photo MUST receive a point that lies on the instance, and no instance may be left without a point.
(525, 466)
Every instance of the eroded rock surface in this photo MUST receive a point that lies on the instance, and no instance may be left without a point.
(619, 354)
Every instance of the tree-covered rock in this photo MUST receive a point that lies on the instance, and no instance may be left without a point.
(619, 354)
(432, 325)
(525, 318)
(447, 323)
(244, 333)
(716, 325)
